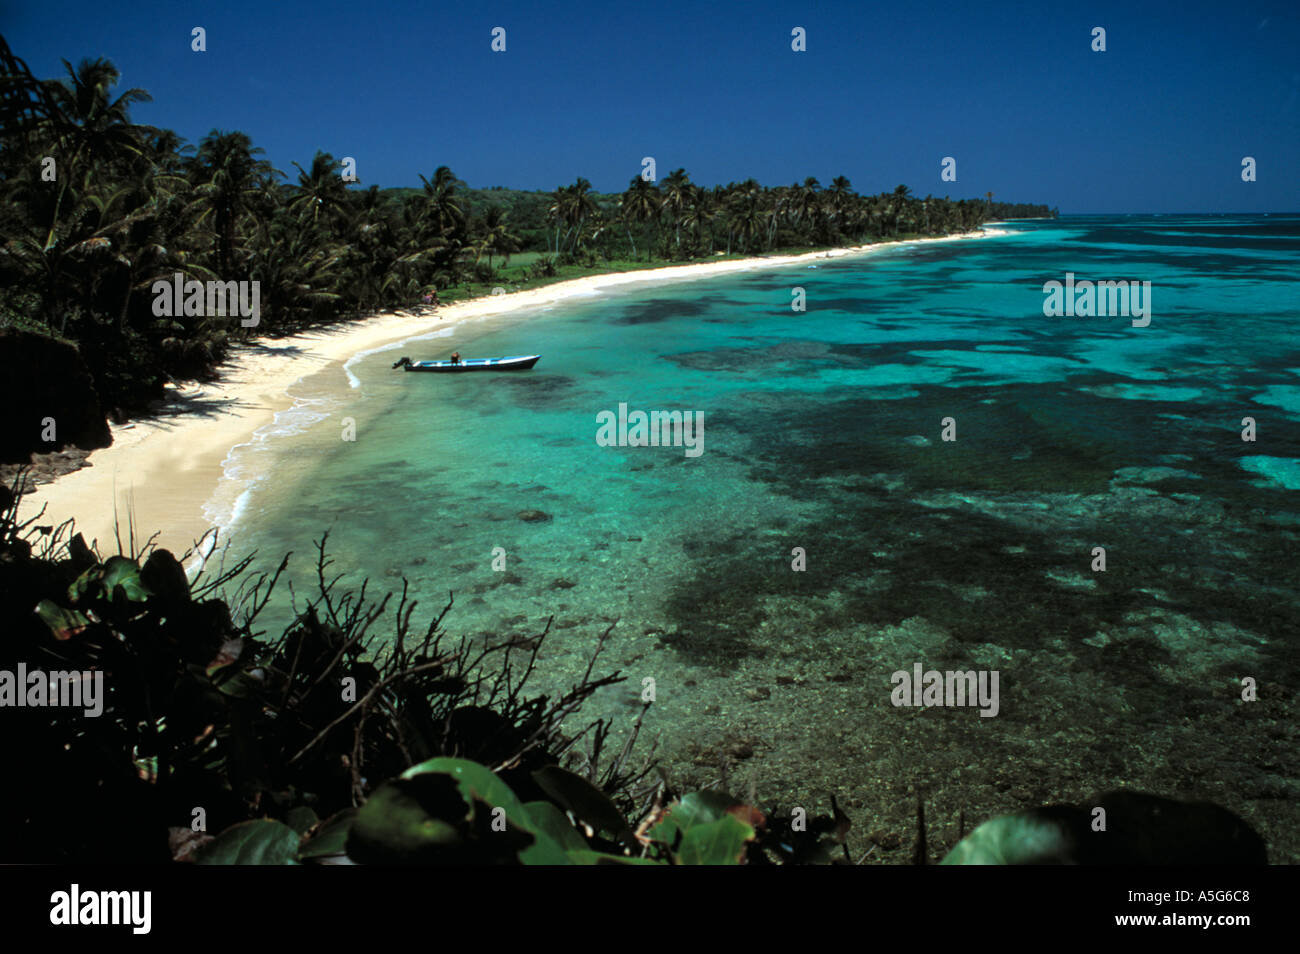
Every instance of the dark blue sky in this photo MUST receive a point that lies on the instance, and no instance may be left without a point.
(1159, 122)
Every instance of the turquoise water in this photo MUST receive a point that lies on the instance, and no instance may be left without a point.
(822, 430)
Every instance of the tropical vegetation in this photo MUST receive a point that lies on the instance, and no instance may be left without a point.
(353, 736)
(95, 208)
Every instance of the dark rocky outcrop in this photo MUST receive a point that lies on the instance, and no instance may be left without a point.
(42, 378)
(1141, 829)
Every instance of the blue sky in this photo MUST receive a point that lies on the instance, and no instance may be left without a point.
(1159, 122)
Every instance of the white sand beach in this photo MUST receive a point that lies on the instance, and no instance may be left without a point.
(160, 471)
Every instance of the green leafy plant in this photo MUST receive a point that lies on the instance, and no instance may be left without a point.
(456, 811)
(287, 761)
(200, 710)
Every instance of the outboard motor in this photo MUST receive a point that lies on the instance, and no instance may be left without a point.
(402, 362)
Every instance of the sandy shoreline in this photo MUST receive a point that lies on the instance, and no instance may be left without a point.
(162, 470)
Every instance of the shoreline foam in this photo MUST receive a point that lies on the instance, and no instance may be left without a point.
(163, 473)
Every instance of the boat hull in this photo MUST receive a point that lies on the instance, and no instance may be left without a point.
(518, 363)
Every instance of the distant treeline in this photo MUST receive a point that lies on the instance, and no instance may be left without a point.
(676, 219)
(1020, 210)
(95, 208)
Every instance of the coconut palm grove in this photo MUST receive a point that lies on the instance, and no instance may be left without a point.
(131, 204)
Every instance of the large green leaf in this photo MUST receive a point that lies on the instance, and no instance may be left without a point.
(63, 623)
(329, 837)
(406, 821)
(720, 842)
(586, 801)
(262, 842)
(1023, 838)
(481, 788)
(544, 851)
(546, 818)
(475, 782)
(697, 808)
(443, 817)
(122, 580)
(116, 579)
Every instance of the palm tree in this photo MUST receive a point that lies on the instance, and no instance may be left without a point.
(25, 103)
(781, 202)
(442, 210)
(87, 126)
(149, 222)
(297, 275)
(841, 193)
(741, 203)
(132, 203)
(677, 187)
(320, 190)
(496, 237)
(806, 205)
(231, 182)
(696, 213)
(748, 217)
(591, 231)
(573, 205)
(639, 204)
(88, 123)
(895, 206)
(558, 212)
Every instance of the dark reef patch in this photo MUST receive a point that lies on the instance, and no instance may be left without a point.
(540, 390)
(659, 309)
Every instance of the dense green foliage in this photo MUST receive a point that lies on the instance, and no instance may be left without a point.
(201, 711)
(455, 811)
(206, 725)
(95, 208)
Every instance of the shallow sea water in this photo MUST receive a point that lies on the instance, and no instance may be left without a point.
(822, 431)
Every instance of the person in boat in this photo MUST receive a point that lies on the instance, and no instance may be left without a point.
(455, 357)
